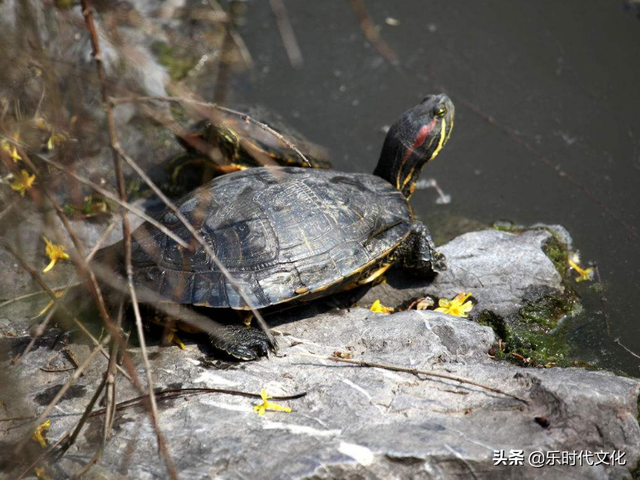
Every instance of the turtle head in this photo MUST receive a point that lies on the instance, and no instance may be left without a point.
(415, 139)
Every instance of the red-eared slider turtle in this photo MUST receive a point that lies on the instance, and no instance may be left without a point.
(294, 234)
(236, 144)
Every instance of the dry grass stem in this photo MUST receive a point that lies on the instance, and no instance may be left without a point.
(127, 206)
(201, 242)
(83, 366)
(286, 32)
(426, 373)
(371, 33)
(42, 327)
(115, 146)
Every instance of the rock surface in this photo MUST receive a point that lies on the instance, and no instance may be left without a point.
(501, 269)
(27, 240)
(354, 422)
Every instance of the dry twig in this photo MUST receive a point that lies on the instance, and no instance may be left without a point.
(286, 32)
(42, 327)
(417, 372)
(63, 390)
(163, 395)
(107, 194)
(115, 146)
(372, 35)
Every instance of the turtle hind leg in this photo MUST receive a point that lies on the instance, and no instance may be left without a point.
(419, 252)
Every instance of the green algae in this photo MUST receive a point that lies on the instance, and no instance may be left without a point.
(178, 64)
(558, 253)
(535, 335)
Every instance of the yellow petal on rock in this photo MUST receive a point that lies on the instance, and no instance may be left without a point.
(458, 307)
(38, 434)
(54, 252)
(584, 274)
(41, 473)
(377, 307)
(267, 405)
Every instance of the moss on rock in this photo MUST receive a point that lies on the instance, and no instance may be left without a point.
(558, 253)
(535, 335)
(178, 64)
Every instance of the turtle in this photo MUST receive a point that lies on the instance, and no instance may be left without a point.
(292, 234)
(240, 144)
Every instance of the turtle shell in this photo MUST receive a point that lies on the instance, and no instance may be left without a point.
(284, 233)
(246, 144)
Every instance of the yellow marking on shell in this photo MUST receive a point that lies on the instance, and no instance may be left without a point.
(302, 290)
(443, 134)
(203, 304)
(375, 274)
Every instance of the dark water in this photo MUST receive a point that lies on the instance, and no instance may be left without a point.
(547, 126)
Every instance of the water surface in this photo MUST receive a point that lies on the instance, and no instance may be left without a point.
(547, 126)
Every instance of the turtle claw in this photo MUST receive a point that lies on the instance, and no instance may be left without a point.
(439, 262)
(240, 342)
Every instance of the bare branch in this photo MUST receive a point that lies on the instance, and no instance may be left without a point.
(201, 241)
(371, 33)
(63, 390)
(112, 197)
(115, 147)
(42, 327)
(288, 35)
(426, 373)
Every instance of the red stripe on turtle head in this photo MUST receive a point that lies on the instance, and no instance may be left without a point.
(421, 137)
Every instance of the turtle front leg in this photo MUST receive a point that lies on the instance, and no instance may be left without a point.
(240, 342)
(419, 252)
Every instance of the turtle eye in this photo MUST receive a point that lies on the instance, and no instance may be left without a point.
(440, 111)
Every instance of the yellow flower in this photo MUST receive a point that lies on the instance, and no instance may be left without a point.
(458, 307)
(267, 405)
(12, 149)
(377, 307)
(38, 434)
(23, 182)
(54, 252)
(41, 473)
(583, 273)
(53, 139)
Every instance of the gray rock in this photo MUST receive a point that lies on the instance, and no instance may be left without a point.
(26, 237)
(501, 269)
(354, 422)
